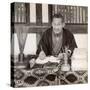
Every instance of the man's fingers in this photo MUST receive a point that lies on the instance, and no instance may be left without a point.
(42, 55)
(32, 63)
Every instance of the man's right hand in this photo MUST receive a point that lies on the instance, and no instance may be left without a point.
(60, 56)
(42, 55)
(32, 62)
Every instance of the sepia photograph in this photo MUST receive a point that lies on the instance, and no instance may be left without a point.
(49, 44)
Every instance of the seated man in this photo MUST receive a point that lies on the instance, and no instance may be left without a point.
(56, 40)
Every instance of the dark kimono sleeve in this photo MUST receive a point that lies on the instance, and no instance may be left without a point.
(72, 44)
(42, 45)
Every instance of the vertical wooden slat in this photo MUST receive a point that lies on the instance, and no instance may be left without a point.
(78, 14)
(69, 11)
(56, 9)
(66, 15)
(45, 18)
(75, 15)
(18, 14)
(32, 13)
(65, 19)
(50, 13)
(23, 12)
(84, 15)
(72, 14)
(27, 5)
(15, 8)
(86, 12)
(53, 9)
(38, 14)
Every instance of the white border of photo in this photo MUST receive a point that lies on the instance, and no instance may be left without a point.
(5, 44)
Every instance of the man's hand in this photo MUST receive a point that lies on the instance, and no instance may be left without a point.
(42, 55)
(32, 62)
(60, 56)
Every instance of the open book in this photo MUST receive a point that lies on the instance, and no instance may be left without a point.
(51, 59)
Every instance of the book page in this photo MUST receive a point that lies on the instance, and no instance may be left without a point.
(47, 59)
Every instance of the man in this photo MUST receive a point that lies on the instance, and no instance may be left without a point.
(56, 40)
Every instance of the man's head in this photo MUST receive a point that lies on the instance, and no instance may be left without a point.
(57, 23)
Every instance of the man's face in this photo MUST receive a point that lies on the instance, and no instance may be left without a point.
(57, 25)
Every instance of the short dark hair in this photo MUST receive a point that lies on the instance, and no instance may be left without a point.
(59, 15)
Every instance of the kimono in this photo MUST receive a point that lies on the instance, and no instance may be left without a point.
(46, 42)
